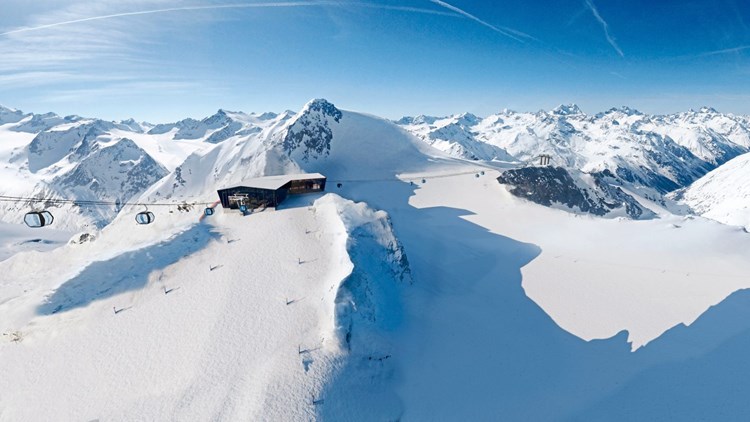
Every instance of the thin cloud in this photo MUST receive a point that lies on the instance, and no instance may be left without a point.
(605, 27)
(508, 32)
(226, 6)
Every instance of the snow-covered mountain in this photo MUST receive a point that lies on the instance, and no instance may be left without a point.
(84, 159)
(723, 194)
(658, 152)
(320, 138)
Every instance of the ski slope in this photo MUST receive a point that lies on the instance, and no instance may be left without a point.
(228, 319)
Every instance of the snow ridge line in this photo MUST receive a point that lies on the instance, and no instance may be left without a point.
(375, 264)
(366, 309)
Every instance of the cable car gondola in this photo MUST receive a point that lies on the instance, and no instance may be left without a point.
(37, 219)
(145, 217)
(208, 211)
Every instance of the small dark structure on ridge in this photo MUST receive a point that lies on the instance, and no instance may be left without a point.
(270, 191)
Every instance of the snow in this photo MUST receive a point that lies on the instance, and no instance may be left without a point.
(723, 194)
(418, 289)
(475, 345)
(168, 152)
(207, 357)
(15, 238)
(660, 152)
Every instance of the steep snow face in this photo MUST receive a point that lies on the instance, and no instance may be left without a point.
(368, 309)
(723, 194)
(367, 297)
(663, 153)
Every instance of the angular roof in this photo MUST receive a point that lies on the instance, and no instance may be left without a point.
(275, 182)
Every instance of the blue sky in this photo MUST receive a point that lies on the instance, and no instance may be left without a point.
(161, 60)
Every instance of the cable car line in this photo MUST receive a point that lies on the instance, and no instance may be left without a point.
(41, 218)
(62, 201)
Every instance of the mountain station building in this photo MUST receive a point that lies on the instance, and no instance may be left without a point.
(270, 191)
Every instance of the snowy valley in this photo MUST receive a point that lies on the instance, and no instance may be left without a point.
(443, 275)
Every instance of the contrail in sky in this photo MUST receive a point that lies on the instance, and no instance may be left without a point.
(605, 27)
(508, 32)
(226, 6)
(724, 51)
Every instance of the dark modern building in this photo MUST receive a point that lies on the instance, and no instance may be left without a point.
(270, 191)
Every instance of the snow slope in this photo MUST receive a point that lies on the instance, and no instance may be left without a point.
(475, 346)
(199, 325)
(15, 238)
(723, 194)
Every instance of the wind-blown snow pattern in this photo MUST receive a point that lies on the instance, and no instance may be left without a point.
(418, 287)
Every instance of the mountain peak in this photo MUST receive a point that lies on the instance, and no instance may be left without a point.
(467, 118)
(624, 110)
(310, 131)
(322, 106)
(706, 109)
(566, 110)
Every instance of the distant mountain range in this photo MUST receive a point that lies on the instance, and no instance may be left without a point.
(618, 162)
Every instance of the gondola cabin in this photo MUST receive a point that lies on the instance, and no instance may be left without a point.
(270, 191)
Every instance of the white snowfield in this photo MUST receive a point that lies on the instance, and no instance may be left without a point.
(416, 288)
(230, 319)
(723, 194)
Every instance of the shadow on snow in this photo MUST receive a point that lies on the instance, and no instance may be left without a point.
(475, 345)
(126, 272)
